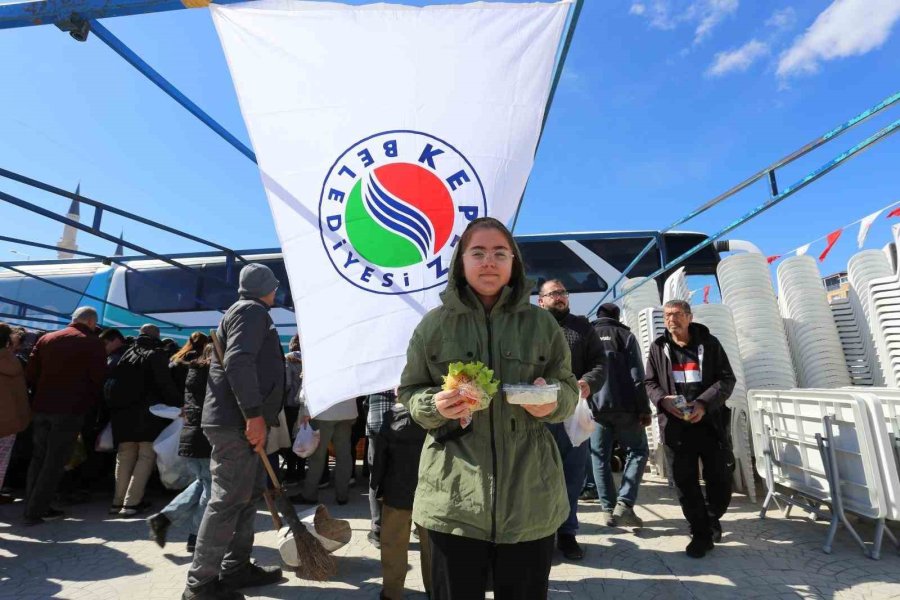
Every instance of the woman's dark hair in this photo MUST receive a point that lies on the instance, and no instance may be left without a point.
(516, 278)
(294, 344)
(111, 334)
(5, 335)
(196, 343)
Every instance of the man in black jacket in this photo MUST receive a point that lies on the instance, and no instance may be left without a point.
(622, 411)
(689, 379)
(588, 366)
(244, 395)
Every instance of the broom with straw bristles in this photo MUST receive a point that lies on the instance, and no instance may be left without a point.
(315, 562)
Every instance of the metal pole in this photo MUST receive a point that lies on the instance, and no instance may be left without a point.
(796, 187)
(807, 148)
(567, 43)
(150, 73)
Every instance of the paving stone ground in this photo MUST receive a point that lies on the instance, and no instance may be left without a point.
(91, 556)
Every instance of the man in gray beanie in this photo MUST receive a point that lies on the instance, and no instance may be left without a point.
(243, 398)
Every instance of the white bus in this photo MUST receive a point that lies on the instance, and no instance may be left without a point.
(179, 302)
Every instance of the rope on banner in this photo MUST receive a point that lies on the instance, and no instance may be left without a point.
(803, 248)
(766, 172)
(796, 187)
(150, 73)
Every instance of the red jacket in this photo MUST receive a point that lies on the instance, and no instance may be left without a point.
(66, 370)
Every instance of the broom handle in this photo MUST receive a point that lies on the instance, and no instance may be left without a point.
(220, 354)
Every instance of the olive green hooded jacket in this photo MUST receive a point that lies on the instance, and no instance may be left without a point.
(500, 479)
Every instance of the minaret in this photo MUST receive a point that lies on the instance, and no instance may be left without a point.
(67, 242)
(120, 250)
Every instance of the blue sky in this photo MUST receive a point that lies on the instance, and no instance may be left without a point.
(662, 105)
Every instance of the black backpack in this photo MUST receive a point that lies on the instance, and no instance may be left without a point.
(126, 385)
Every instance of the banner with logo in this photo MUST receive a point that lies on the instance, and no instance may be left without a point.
(381, 131)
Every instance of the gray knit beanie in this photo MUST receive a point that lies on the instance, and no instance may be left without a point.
(257, 280)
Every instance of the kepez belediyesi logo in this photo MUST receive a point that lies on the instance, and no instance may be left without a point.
(392, 209)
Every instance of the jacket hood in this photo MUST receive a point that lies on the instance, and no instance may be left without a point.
(609, 322)
(459, 297)
(699, 333)
(9, 364)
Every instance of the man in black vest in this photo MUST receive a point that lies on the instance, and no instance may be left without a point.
(588, 367)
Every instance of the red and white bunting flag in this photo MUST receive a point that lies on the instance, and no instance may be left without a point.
(894, 213)
(832, 239)
(802, 250)
(706, 289)
(773, 258)
(864, 227)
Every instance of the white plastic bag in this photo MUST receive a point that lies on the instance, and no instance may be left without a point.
(165, 411)
(173, 470)
(581, 424)
(279, 437)
(306, 442)
(104, 441)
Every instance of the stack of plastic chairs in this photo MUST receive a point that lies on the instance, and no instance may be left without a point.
(864, 267)
(859, 368)
(650, 327)
(747, 290)
(816, 348)
(676, 287)
(645, 296)
(719, 320)
(884, 321)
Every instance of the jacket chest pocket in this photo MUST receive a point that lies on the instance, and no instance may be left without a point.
(439, 357)
(523, 365)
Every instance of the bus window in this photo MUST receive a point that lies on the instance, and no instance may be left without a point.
(216, 295)
(161, 290)
(702, 263)
(552, 260)
(283, 296)
(42, 294)
(619, 252)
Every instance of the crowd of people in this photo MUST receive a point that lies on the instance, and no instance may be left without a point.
(490, 494)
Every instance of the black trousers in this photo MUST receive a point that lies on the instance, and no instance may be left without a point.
(460, 568)
(702, 445)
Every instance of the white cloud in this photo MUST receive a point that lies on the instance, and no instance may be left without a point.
(782, 19)
(703, 15)
(846, 28)
(738, 59)
(713, 12)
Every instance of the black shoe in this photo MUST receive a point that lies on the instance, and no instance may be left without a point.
(589, 494)
(716, 528)
(568, 545)
(29, 520)
(374, 539)
(211, 591)
(52, 514)
(699, 547)
(192, 543)
(251, 575)
(301, 499)
(159, 525)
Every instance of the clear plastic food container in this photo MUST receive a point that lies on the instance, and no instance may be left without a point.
(523, 393)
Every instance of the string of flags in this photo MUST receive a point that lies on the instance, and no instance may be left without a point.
(865, 224)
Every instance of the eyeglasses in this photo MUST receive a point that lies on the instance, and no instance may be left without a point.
(480, 257)
(674, 315)
(556, 294)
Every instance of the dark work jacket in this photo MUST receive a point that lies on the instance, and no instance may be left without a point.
(135, 422)
(395, 469)
(193, 444)
(250, 383)
(623, 391)
(66, 371)
(716, 377)
(588, 361)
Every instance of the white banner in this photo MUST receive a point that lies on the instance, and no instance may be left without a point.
(380, 132)
(864, 225)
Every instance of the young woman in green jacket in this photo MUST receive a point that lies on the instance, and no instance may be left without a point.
(491, 494)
